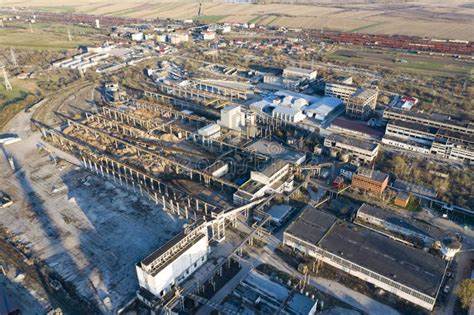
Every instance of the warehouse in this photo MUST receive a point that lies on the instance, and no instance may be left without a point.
(409, 273)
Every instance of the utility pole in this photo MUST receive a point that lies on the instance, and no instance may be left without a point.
(8, 85)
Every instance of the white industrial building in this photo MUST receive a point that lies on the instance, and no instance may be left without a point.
(275, 176)
(324, 108)
(171, 264)
(289, 114)
(212, 131)
(232, 117)
(294, 72)
(295, 107)
(81, 61)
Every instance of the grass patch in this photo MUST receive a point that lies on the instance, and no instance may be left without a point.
(12, 102)
(209, 18)
(434, 66)
(254, 20)
(414, 204)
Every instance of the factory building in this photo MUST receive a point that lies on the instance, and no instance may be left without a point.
(361, 151)
(406, 228)
(370, 180)
(432, 140)
(411, 274)
(288, 114)
(212, 131)
(296, 107)
(232, 117)
(341, 89)
(277, 151)
(293, 72)
(171, 264)
(362, 103)
(259, 291)
(279, 213)
(434, 120)
(274, 176)
(324, 109)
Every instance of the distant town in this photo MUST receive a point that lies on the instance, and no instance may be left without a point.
(191, 167)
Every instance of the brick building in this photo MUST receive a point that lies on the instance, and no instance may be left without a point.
(370, 180)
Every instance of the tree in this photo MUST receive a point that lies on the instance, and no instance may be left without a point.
(465, 292)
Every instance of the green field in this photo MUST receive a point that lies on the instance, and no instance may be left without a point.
(44, 36)
(62, 9)
(428, 65)
(255, 19)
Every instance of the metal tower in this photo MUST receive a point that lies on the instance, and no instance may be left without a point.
(13, 57)
(8, 85)
(200, 9)
(69, 35)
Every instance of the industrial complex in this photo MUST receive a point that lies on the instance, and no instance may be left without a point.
(174, 175)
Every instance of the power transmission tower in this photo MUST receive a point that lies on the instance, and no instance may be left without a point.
(14, 61)
(8, 85)
(69, 35)
(200, 9)
(31, 28)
